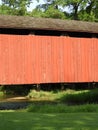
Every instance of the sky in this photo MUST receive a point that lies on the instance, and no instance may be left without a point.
(33, 5)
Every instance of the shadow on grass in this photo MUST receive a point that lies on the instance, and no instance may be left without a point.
(54, 120)
(34, 121)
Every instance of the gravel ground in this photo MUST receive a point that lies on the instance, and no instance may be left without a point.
(13, 105)
(16, 103)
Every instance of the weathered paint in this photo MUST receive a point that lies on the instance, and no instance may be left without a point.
(32, 59)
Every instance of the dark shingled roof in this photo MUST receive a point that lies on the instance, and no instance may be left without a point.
(21, 22)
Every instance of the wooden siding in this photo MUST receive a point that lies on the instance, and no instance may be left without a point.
(45, 59)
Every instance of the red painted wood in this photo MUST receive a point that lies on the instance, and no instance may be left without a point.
(45, 59)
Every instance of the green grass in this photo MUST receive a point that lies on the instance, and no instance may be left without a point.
(52, 95)
(70, 97)
(62, 108)
(43, 95)
(82, 97)
(34, 121)
(50, 112)
(2, 95)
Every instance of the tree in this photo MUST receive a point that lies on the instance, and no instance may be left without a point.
(76, 9)
(48, 10)
(5, 10)
(89, 13)
(52, 12)
(96, 12)
(86, 10)
(15, 7)
(36, 12)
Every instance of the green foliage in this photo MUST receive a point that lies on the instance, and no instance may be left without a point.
(15, 7)
(85, 16)
(71, 97)
(39, 95)
(86, 10)
(2, 95)
(81, 9)
(62, 108)
(76, 9)
(90, 96)
(53, 13)
(50, 96)
(50, 12)
(36, 13)
(6, 10)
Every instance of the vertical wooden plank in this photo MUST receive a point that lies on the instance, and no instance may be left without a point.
(46, 59)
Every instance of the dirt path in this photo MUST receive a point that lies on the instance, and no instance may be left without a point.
(23, 98)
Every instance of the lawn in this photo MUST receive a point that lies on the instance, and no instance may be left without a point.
(54, 121)
(67, 110)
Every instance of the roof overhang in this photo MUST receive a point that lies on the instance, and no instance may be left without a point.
(21, 22)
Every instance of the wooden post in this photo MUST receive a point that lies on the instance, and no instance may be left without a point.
(89, 85)
(38, 87)
(93, 84)
(62, 86)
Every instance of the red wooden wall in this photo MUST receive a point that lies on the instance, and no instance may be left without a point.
(44, 59)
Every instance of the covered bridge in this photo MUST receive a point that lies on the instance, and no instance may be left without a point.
(42, 50)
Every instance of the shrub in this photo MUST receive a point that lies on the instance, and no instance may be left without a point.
(38, 94)
(84, 97)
